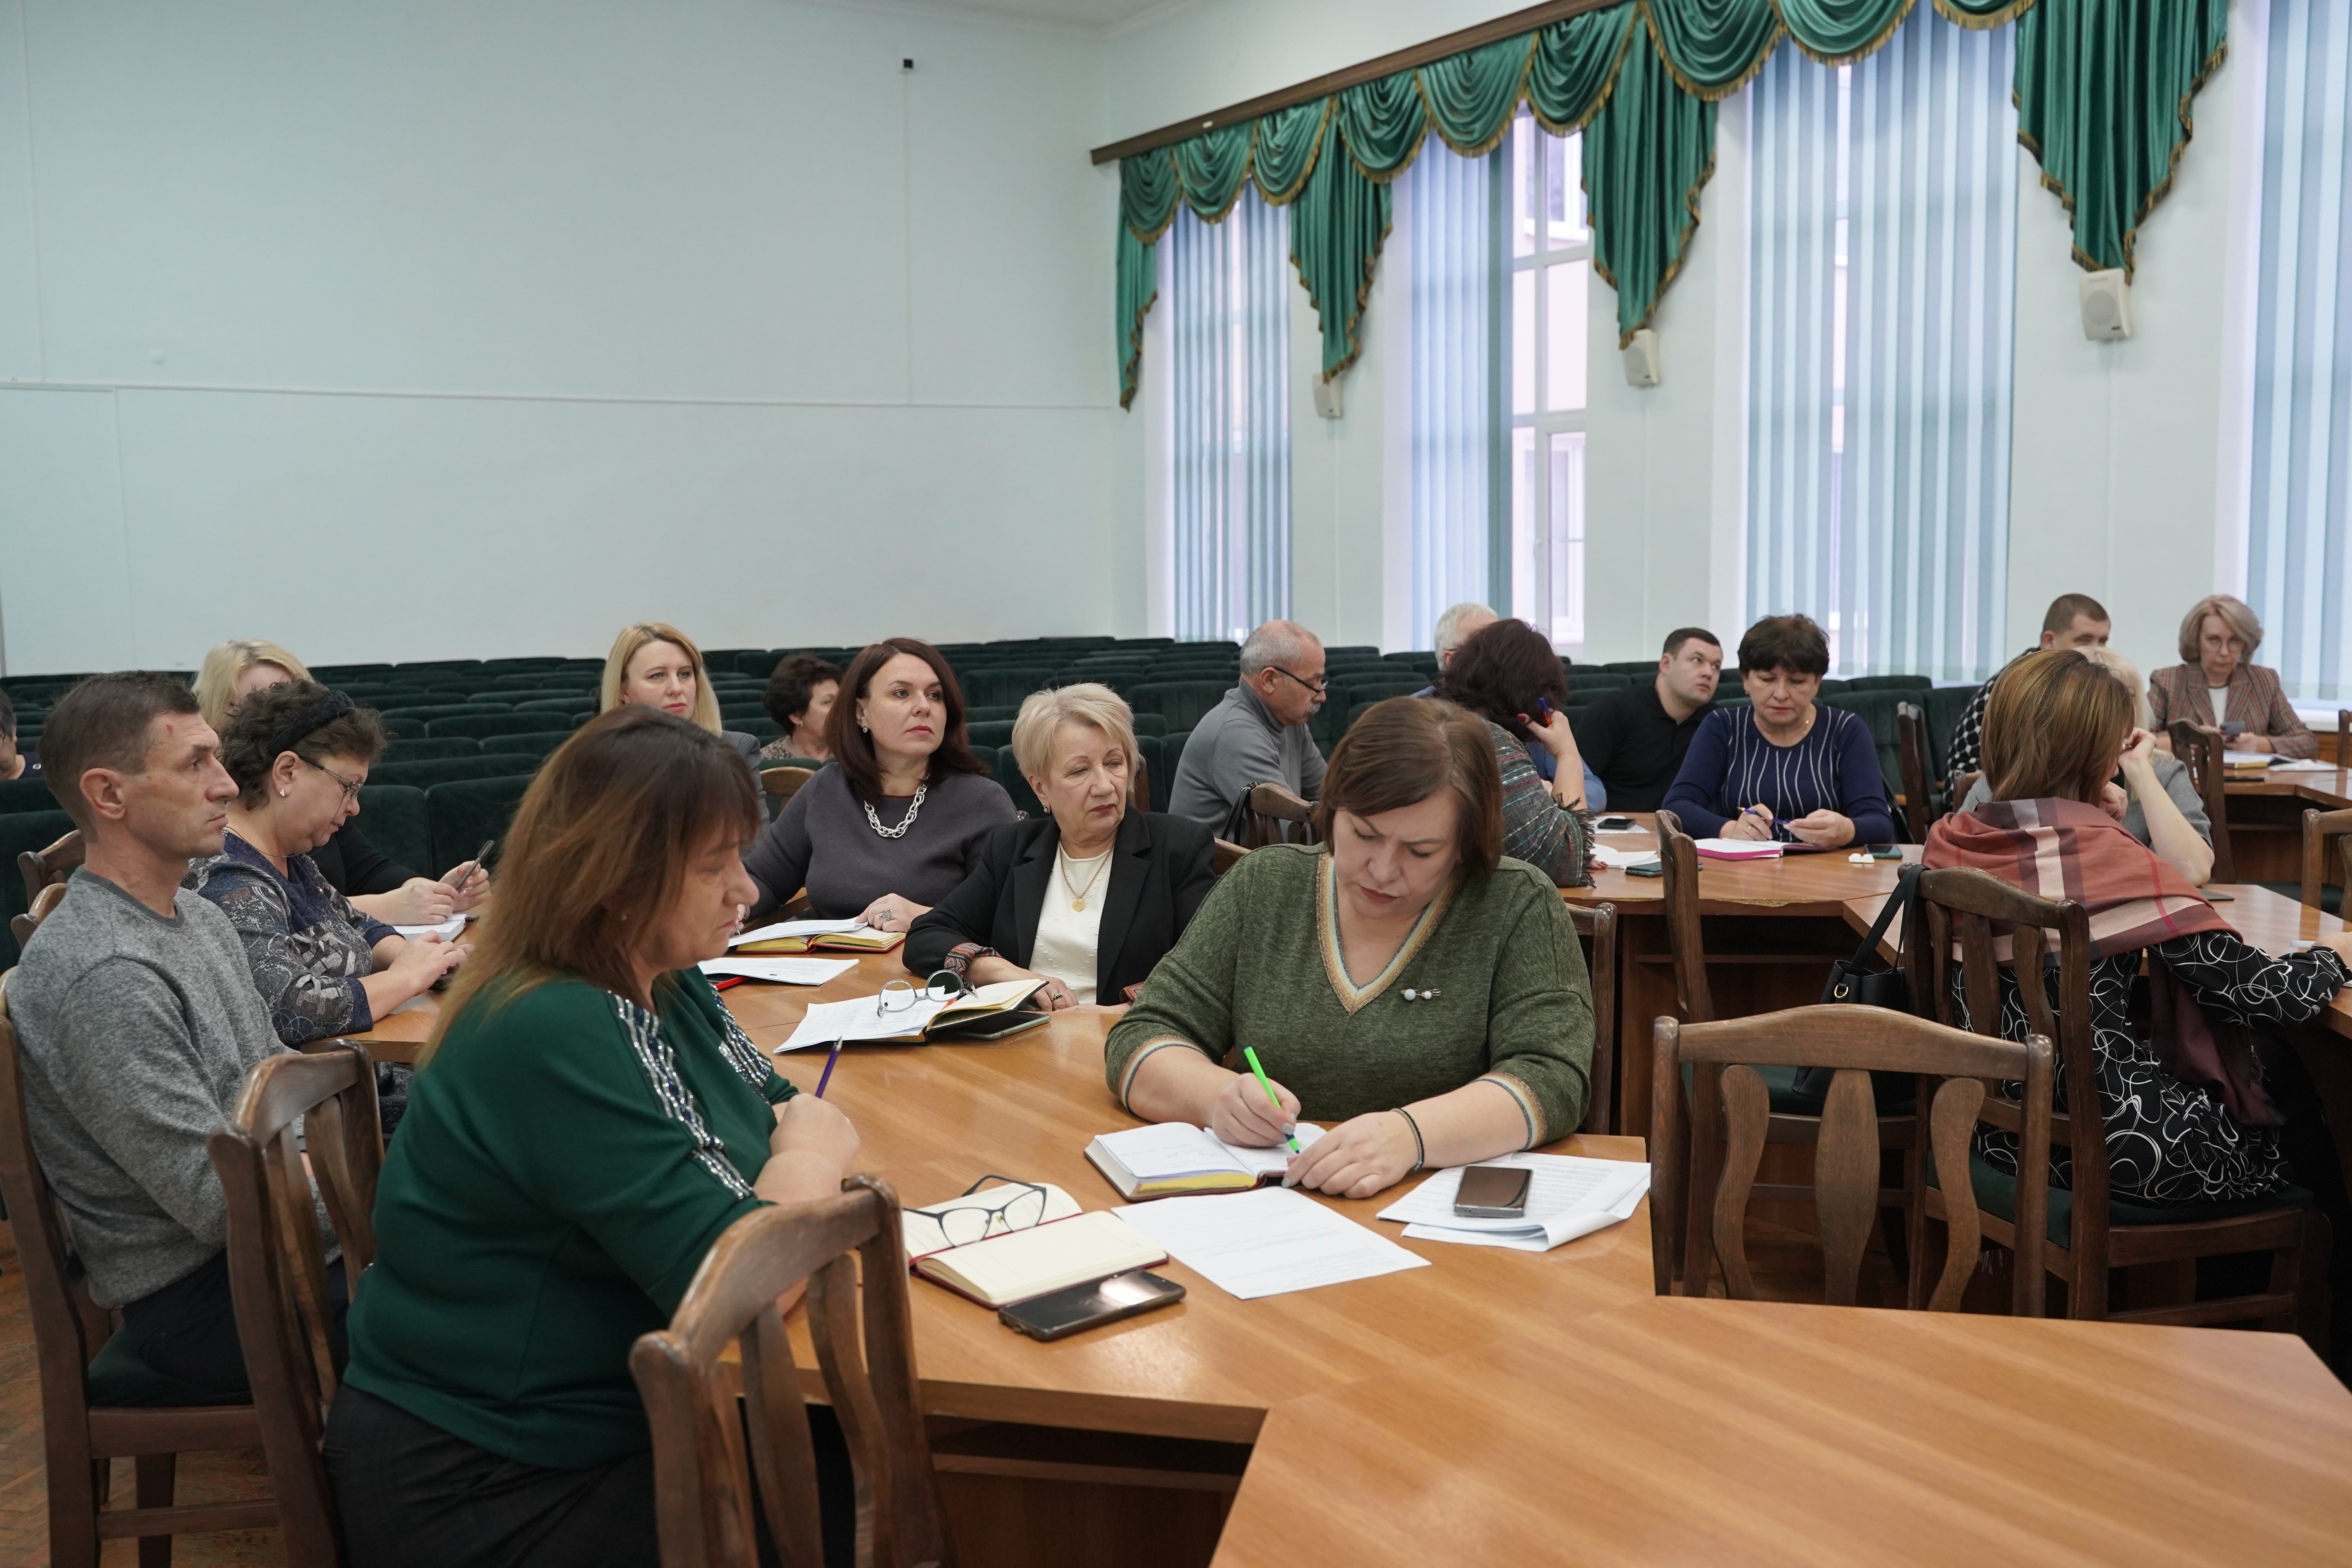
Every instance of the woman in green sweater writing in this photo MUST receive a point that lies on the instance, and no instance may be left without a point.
(586, 1121)
(1402, 979)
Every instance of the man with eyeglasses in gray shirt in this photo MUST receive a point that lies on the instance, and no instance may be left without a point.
(1257, 734)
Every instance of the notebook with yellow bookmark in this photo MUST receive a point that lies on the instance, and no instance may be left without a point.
(807, 936)
(1008, 1242)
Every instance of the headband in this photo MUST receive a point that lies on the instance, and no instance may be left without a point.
(331, 706)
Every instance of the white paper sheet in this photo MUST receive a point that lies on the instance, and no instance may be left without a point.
(2302, 765)
(1266, 1242)
(1609, 855)
(1740, 848)
(860, 1018)
(450, 930)
(798, 928)
(783, 968)
(1568, 1196)
(2248, 760)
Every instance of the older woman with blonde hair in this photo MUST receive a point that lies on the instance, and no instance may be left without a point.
(1089, 897)
(377, 884)
(655, 665)
(2216, 682)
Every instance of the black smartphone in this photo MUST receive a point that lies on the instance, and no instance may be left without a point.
(1647, 869)
(1492, 1192)
(1060, 1313)
(1614, 824)
(1884, 852)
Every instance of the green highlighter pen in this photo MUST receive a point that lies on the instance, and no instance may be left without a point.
(1292, 1138)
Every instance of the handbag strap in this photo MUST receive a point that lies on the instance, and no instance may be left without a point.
(1905, 894)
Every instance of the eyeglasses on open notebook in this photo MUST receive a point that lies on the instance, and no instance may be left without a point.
(1016, 1205)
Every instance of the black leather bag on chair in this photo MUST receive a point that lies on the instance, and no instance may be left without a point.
(1866, 979)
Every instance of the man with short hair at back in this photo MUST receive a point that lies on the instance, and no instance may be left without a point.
(137, 1020)
(2073, 620)
(1257, 734)
(1636, 738)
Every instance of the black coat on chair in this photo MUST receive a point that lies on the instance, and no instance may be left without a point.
(1159, 872)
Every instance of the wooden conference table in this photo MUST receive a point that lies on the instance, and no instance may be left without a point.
(2266, 818)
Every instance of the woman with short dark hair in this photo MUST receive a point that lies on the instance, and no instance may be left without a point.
(1785, 768)
(889, 830)
(1402, 978)
(1508, 675)
(799, 697)
(588, 1120)
(300, 753)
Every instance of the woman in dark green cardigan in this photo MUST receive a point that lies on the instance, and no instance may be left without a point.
(1402, 979)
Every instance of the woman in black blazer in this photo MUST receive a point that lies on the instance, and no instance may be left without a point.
(1087, 897)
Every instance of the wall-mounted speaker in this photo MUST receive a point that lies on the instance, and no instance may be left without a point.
(1641, 359)
(1329, 403)
(2107, 305)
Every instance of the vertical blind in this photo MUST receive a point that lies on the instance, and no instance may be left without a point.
(1446, 211)
(1228, 287)
(1882, 250)
(2298, 524)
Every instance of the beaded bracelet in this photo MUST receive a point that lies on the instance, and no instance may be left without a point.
(1419, 1150)
(961, 956)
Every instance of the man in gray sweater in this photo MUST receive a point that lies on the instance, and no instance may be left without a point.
(1257, 734)
(138, 1019)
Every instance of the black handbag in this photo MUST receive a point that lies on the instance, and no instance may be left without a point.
(1860, 979)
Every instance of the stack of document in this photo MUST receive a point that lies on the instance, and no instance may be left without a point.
(450, 930)
(2248, 759)
(1267, 1242)
(779, 969)
(1740, 848)
(799, 936)
(1609, 855)
(1567, 1197)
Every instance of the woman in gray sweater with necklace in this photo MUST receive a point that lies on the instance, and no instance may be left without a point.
(885, 831)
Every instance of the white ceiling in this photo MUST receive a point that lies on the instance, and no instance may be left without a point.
(1086, 15)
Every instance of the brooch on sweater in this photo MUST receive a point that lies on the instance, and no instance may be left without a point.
(1412, 996)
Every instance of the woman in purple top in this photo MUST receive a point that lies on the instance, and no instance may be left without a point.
(1784, 768)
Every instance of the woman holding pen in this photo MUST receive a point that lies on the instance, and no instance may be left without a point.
(1403, 979)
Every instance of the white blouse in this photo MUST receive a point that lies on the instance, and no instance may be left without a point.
(1067, 938)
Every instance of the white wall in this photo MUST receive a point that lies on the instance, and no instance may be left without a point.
(386, 330)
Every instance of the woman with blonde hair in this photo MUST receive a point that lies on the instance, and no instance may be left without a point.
(1088, 897)
(2218, 683)
(377, 884)
(654, 665)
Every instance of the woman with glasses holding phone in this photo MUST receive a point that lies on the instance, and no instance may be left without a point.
(299, 754)
(587, 1122)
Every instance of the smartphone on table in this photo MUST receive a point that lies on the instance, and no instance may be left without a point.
(1614, 823)
(1886, 852)
(1058, 1314)
(1492, 1192)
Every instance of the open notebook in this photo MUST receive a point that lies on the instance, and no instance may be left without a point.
(987, 1013)
(1176, 1157)
(1066, 1248)
(803, 936)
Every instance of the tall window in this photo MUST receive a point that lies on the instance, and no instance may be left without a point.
(1881, 267)
(1228, 290)
(1552, 275)
(2299, 519)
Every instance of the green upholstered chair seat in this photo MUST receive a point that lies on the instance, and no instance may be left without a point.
(1996, 1194)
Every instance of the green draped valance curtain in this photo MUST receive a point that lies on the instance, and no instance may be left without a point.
(2103, 90)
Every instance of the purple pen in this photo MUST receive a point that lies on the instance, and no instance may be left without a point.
(826, 1076)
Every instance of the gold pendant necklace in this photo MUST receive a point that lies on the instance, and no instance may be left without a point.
(1078, 896)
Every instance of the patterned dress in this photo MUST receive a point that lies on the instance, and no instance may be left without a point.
(2167, 1141)
(1554, 838)
(307, 945)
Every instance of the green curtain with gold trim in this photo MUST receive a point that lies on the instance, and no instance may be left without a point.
(2103, 90)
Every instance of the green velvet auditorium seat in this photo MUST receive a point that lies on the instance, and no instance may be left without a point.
(984, 715)
(1004, 683)
(392, 817)
(449, 770)
(1153, 753)
(20, 831)
(526, 749)
(1889, 683)
(1876, 709)
(1945, 705)
(462, 814)
(1626, 666)
(1148, 723)
(1183, 703)
(508, 723)
(1583, 678)
(24, 795)
(427, 749)
(1008, 773)
(1163, 780)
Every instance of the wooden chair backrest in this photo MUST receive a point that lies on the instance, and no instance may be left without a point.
(22, 927)
(704, 1478)
(1969, 913)
(1598, 926)
(2199, 747)
(41, 867)
(1678, 856)
(784, 782)
(70, 1328)
(1272, 810)
(2344, 737)
(1952, 1065)
(2318, 828)
(1918, 799)
(1223, 855)
(278, 1263)
(1961, 784)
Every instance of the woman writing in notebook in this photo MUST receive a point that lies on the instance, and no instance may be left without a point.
(1090, 897)
(1402, 979)
(889, 830)
(588, 1121)
(1784, 768)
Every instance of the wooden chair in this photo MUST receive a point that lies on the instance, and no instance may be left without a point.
(1695, 1004)
(1223, 855)
(43, 868)
(703, 1477)
(1963, 906)
(784, 782)
(2318, 828)
(2344, 737)
(1598, 927)
(1918, 797)
(1957, 789)
(1273, 810)
(1952, 1065)
(22, 927)
(2199, 747)
(81, 1440)
(278, 1266)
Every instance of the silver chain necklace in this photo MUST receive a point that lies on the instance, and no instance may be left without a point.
(899, 831)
